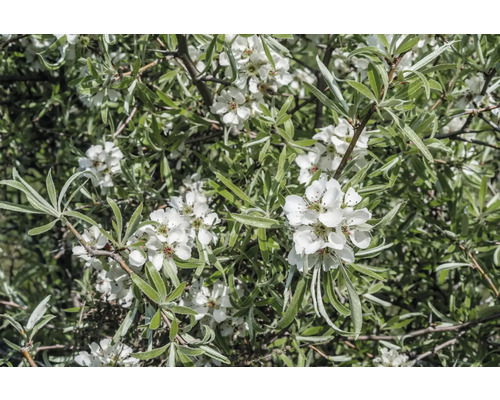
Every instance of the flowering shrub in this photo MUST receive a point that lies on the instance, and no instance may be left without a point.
(247, 200)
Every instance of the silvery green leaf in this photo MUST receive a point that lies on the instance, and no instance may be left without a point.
(38, 313)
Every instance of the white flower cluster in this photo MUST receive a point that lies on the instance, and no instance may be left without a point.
(213, 305)
(175, 229)
(106, 354)
(391, 358)
(332, 143)
(113, 282)
(104, 162)
(257, 78)
(325, 223)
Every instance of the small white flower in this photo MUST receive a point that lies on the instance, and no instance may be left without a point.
(103, 162)
(231, 104)
(391, 358)
(106, 354)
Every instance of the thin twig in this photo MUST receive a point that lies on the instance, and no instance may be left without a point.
(12, 304)
(27, 355)
(478, 267)
(169, 324)
(357, 133)
(450, 342)
(431, 330)
(122, 127)
(183, 54)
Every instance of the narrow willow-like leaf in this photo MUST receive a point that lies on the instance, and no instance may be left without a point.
(146, 289)
(294, 306)
(42, 229)
(354, 304)
(51, 189)
(256, 222)
(148, 355)
(235, 189)
(38, 313)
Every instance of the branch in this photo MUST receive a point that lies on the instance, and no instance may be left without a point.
(94, 253)
(27, 355)
(450, 342)
(357, 132)
(183, 54)
(122, 127)
(12, 40)
(478, 267)
(12, 304)
(430, 330)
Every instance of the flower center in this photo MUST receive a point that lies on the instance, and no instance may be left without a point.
(232, 105)
(96, 163)
(315, 206)
(314, 169)
(162, 229)
(247, 53)
(187, 209)
(331, 148)
(197, 224)
(211, 303)
(169, 251)
(346, 231)
(320, 230)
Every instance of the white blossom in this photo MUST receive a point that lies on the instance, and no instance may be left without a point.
(326, 154)
(391, 358)
(106, 354)
(103, 162)
(326, 225)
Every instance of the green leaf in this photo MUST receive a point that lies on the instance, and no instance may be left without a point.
(177, 292)
(452, 265)
(42, 229)
(148, 355)
(157, 280)
(19, 208)
(425, 82)
(183, 310)
(146, 289)
(173, 330)
(134, 222)
(155, 321)
(325, 100)
(367, 271)
(38, 313)
(362, 89)
(407, 44)
(391, 214)
(79, 215)
(171, 356)
(427, 59)
(214, 354)
(294, 306)
(266, 50)
(354, 304)
(118, 217)
(209, 55)
(332, 84)
(232, 62)
(51, 189)
(235, 189)
(257, 222)
(410, 134)
(66, 187)
(14, 323)
(43, 321)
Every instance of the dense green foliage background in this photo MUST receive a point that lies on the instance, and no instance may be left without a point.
(431, 183)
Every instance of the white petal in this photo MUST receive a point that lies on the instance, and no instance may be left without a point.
(360, 239)
(220, 315)
(331, 218)
(351, 197)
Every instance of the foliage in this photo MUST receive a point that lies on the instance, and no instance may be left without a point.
(151, 185)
